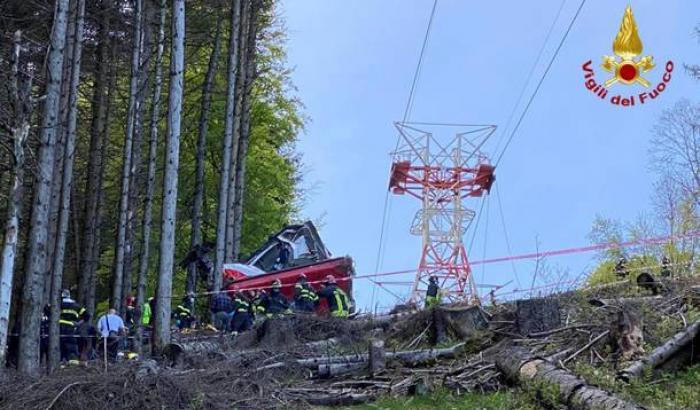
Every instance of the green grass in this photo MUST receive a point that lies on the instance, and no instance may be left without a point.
(672, 391)
(506, 400)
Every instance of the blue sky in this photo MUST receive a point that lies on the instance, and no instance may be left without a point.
(573, 157)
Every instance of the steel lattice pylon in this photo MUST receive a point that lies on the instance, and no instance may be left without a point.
(442, 166)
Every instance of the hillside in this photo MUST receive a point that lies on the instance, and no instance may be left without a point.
(449, 357)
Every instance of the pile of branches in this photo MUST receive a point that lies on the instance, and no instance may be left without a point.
(301, 361)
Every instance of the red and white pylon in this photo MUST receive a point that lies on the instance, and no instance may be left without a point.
(442, 166)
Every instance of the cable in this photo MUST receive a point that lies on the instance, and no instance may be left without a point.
(539, 84)
(409, 103)
(505, 233)
(411, 94)
(529, 75)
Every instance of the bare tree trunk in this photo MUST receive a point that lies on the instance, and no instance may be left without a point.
(21, 107)
(240, 88)
(66, 190)
(136, 161)
(518, 364)
(250, 74)
(116, 300)
(172, 153)
(197, 204)
(95, 161)
(233, 51)
(97, 247)
(36, 256)
(152, 160)
(57, 175)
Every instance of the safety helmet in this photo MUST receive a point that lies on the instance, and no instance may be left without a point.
(130, 301)
(65, 294)
(276, 284)
(330, 279)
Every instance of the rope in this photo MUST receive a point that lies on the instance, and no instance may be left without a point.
(539, 84)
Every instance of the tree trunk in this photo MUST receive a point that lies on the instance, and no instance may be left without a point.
(95, 162)
(120, 249)
(20, 95)
(136, 160)
(663, 353)
(37, 242)
(172, 153)
(239, 91)
(250, 74)
(97, 247)
(66, 190)
(519, 365)
(152, 159)
(233, 52)
(198, 201)
(57, 175)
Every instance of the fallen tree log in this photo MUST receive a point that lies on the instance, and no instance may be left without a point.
(175, 351)
(661, 354)
(519, 365)
(329, 397)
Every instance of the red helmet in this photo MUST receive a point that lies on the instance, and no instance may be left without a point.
(330, 279)
(130, 301)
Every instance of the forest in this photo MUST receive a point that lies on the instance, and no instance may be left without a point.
(130, 132)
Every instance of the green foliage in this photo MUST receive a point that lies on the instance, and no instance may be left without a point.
(603, 273)
(444, 400)
(273, 166)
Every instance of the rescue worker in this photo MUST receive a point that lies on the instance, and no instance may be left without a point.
(276, 304)
(305, 298)
(88, 337)
(130, 317)
(258, 299)
(68, 324)
(665, 267)
(242, 313)
(620, 268)
(221, 309)
(147, 311)
(112, 329)
(433, 295)
(338, 302)
(184, 312)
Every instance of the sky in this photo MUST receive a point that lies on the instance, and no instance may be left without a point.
(573, 157)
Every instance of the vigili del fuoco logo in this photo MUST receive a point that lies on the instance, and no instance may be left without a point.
(627, 69)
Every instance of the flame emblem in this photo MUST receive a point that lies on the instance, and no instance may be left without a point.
(627, 46)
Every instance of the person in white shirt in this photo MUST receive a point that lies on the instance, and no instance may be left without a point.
(111, 326)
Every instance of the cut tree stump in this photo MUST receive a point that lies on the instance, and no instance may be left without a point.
(465, 322)
(537, 315)
(627, 335)
(673, 346)
(520, 365)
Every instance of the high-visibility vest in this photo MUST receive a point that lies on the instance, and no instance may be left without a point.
(432, 296)
(146, 314)
(341, 300)
(70, 313)
(305, 292)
